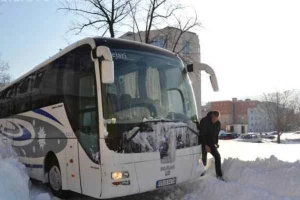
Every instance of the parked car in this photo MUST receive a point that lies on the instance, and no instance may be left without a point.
(267, 136)
(227, 136)
(250, 138)
(272, 133)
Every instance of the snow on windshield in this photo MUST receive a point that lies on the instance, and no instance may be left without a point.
(165, 137)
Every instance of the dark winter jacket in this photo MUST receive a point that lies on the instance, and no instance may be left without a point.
(209, 132)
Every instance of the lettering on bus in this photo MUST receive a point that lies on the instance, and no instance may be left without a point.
(169, 167)
(119, 56)
(69, 134)
(57, 106)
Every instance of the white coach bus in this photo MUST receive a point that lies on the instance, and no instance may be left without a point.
(105, 118)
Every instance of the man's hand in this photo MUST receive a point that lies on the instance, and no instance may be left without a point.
(207, 149)
(217, 145)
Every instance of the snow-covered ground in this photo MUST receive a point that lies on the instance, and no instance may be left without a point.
(253, 171)
(290, 138)
(14, 181)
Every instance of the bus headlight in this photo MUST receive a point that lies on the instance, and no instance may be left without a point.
(116, 175)
(119, 175)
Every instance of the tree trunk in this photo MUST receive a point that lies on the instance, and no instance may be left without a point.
(278, 138)
(111, 31)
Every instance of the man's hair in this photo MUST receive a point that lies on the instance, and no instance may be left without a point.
(215, 113)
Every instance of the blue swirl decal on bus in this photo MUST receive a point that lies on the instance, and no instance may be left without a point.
(17, 130)
(46, 114)
(25, 136)
(34, 136)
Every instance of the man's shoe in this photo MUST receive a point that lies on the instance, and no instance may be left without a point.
(221, 178)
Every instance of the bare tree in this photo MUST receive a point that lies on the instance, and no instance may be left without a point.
(183, 28)
(4, 76)
(156, 13)
(280, 108)
(173, 38)
(102, 15)
(133, 23)
(145, 15)
(176, 32)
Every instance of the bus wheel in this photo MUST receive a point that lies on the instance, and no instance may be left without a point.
(55, 180)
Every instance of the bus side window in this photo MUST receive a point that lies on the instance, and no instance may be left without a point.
(38, 79)
(80, 99)
(23, 95)
(36, 101)
(2, 104)
(88, 133)
(45, 87)
(10, 96)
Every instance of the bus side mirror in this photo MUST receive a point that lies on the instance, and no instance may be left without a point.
(214, 82)
(107, 71)
(198, 67)
(107, 64)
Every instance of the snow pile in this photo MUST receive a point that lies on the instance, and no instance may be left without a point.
(42, 196)
(290, 138)
(14, 180)
(269, 175)
(251, 151)
(13, 176)
(262, 179)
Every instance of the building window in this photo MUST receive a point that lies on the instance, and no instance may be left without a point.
(159, 42)
(186, 47)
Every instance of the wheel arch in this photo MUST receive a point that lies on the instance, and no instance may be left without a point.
(47, 161)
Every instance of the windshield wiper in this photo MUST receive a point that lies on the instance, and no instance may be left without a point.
(145, 127)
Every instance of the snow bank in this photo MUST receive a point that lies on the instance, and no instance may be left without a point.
(251, 151)
(13, 176)
(268, 175)
(42, 196)
(14, 180)
(290, 138)
(262, 179)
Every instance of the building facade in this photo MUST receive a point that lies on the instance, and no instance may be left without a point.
(205, 109)
(234, 114)
(259, 120)
(226, 110)
(187, 47)
(237, 128)
(241, 110)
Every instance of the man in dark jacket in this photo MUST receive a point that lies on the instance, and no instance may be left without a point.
(209, 129)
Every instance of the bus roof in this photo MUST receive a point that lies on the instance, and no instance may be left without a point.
(98, 41)
(128, 45)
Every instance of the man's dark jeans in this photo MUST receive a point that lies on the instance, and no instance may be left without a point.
(215, 153)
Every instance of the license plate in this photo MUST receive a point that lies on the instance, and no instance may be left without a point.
(165, 182)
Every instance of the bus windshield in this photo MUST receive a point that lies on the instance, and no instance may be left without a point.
(147, 87)
(151, 98)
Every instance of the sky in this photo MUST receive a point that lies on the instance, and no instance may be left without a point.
(253, 46)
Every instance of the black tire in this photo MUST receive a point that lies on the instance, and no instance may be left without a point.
(55, 180)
